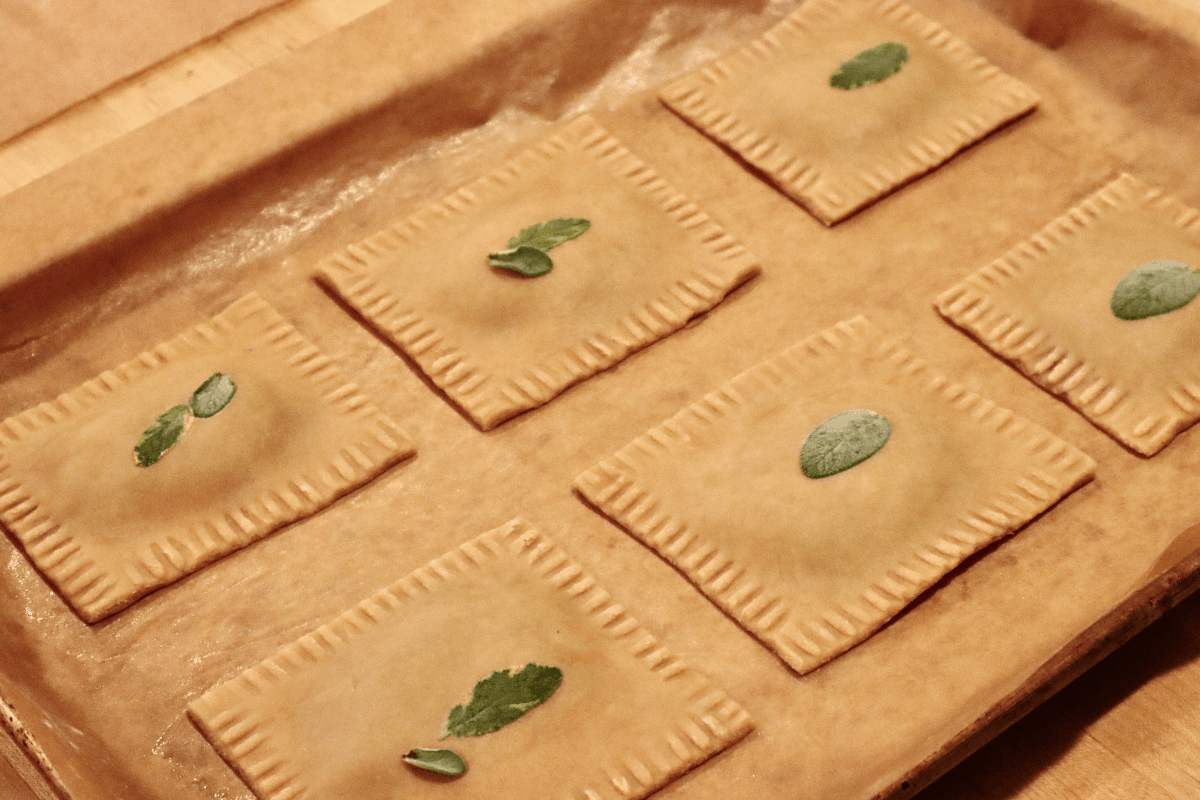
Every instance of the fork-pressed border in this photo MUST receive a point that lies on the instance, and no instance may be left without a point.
(1056, 469)
(1144, 423)
(713, 720)
(832, 198)
(63, 554)
(486, 398)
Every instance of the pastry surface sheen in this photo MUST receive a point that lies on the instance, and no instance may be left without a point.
(498, 343)
(332, 714)
(812, 567)
(105, 531)
(835, 150)
(1045, 307)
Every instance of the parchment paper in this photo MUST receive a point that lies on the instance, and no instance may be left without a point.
(106, 702)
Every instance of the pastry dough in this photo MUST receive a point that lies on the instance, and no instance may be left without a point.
(498, 343)
(836, 150)
(1044, 307)
(332, 714)
(814, 566)
(105, 532)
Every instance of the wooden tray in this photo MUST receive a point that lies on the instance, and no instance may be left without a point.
(154, 232)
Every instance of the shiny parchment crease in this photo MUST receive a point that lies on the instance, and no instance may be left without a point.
(497, 343)
(833, 150)
(813, 567)
(332, 714)
(1044, 307)
(105, 532)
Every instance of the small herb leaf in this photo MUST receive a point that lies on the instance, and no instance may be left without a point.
(443, 762)
(502, 698)
(547, 235)
(870, 66)
(213, 395)
(1156, 287)
(843, 441)
(526, 260)
(162, 435)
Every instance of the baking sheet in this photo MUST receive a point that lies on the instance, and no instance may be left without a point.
(106, 703)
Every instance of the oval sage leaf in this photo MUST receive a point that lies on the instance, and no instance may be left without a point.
(1156, 287)
(526, 260)
(870, 66)
(164, 434)
(213, 395)
(843, 441)
(550, 234)
(443, 762)
(502, 698)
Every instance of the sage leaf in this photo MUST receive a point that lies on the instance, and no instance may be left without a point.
(443, 762)
(843, 441)
(213, 395)
(526, 260)
(548, 235)
(162, 435)
(1156, 287)
(502, 698)
(870, 66)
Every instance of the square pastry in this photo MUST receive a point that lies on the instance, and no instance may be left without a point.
(834, 150)
(1050, 307)
(815, 495)
(334, 714)
(498, 342)
(106, 530)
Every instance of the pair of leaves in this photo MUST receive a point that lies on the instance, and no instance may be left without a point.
(1154, 288)
(527, 250)
(497, 700)
(870, 66)
(843, 441)
(211, 396)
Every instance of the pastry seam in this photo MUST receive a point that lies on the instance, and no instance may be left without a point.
(486, 398)
(65, 558)
(832, 199)
(714, 720)
(804, 644)
(1145, 424)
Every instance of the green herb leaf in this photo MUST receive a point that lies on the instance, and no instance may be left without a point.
(162, 435)
(213, 395)
(443, 762)
(548, 235)
(870, 66)
(502, 698)
(843, 441)
(1156, 287)
(526, 259)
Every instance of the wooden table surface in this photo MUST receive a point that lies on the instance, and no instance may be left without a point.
(1128, 729)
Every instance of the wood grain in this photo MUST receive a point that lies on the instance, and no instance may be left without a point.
(56, 53)
(20, 780)
(170, 84)
(1127, 729)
